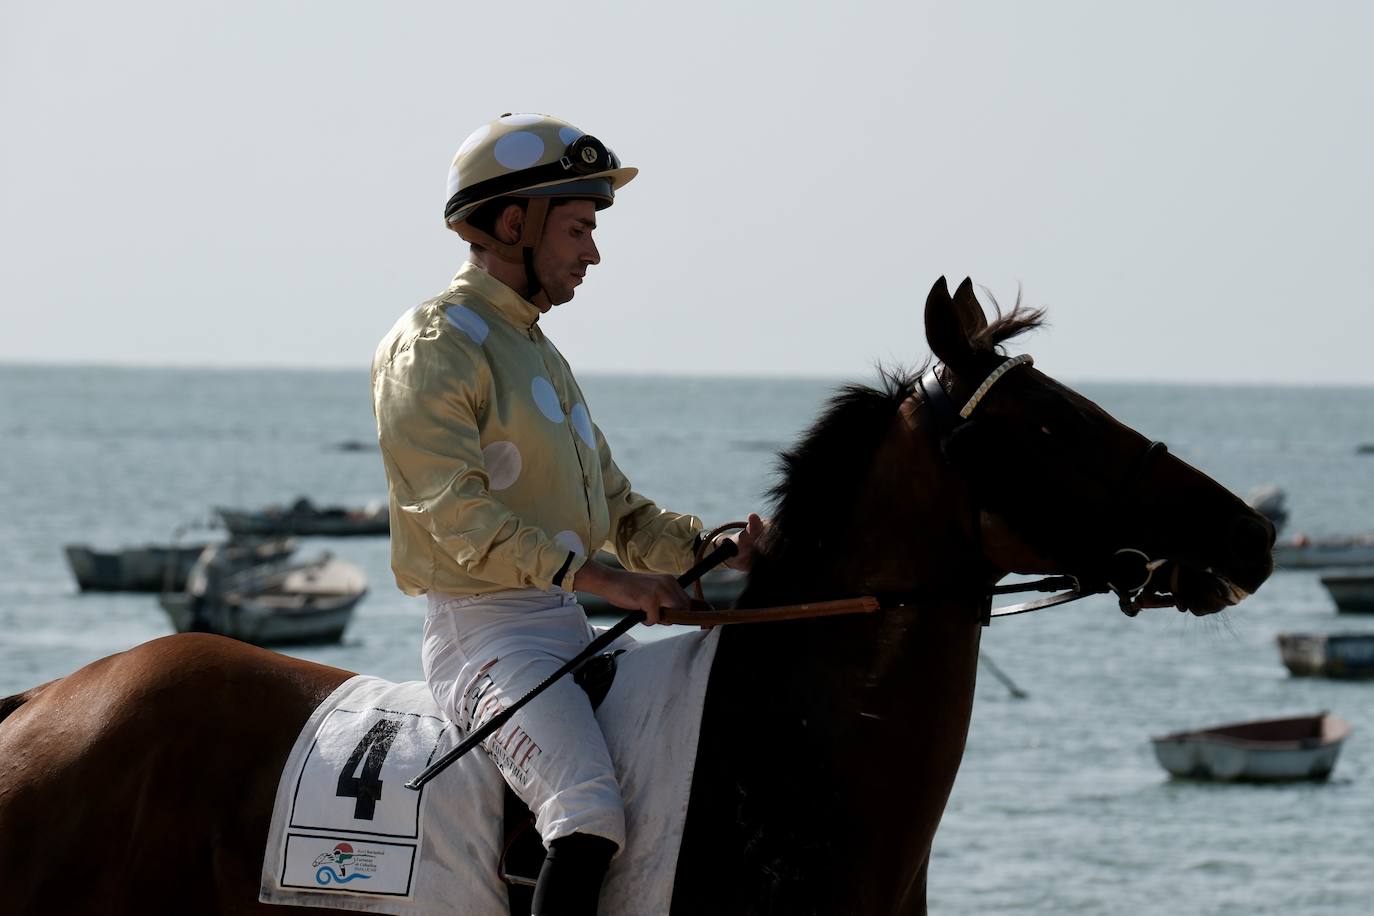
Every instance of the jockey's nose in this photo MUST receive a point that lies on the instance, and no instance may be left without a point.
(1250, 544)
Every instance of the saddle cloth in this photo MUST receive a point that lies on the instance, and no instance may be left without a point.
(347, 834)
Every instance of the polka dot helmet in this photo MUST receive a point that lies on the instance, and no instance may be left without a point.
(531, 155)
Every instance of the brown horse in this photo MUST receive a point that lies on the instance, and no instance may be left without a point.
(143, 783)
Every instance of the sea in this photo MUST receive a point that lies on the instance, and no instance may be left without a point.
(1059, 807)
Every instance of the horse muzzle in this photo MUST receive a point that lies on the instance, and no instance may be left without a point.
(1195, 587)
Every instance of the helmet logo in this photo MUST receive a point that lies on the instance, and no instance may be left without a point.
(589, 155)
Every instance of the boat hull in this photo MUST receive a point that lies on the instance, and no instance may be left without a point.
(269, 604)
(265, 624)
(1345, 656)
(1352, 594)
(1273, 750)
(138, 569)
(341, 524)
(1324, 554)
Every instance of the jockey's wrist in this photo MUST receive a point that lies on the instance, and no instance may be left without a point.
(591, 576)
(576, 564)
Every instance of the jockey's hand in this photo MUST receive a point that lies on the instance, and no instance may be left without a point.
(745, 539)
(633, 591)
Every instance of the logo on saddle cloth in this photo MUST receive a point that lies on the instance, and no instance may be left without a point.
(342, 864)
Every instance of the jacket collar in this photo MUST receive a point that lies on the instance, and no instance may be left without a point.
(513, 307)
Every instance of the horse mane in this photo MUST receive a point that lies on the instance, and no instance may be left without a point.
(1004, 327)
(819, 482)
(820, 479)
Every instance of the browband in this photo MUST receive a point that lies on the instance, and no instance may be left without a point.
(1023, 360)
(940, 401)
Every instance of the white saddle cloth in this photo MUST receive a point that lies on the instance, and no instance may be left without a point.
(346, 833)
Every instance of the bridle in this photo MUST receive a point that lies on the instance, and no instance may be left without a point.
(1130, 570)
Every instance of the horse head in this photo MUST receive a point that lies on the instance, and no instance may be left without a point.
(1058, 486)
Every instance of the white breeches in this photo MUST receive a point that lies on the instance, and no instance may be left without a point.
(483, 653)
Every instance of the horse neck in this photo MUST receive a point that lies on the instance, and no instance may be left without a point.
(842, 735)
(908, 673)
(912, 529)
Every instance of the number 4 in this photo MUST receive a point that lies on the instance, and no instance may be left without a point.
(367, 788)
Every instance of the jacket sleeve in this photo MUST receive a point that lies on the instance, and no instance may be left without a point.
(645, 538)
(427, 399)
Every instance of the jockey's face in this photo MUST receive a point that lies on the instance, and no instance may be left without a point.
(566, 249)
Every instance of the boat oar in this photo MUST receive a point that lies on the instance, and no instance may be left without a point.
(997, 672)
(722, 553)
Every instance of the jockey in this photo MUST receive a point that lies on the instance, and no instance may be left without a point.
(502, 488)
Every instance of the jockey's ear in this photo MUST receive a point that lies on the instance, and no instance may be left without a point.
(952, 321)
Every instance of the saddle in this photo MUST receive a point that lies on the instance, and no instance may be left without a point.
(522, 855)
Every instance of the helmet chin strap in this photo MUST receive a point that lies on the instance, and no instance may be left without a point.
(522, 252)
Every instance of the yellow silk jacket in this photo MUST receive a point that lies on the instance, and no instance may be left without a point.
(496, 474)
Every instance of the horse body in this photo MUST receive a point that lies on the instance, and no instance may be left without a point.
(144, 782)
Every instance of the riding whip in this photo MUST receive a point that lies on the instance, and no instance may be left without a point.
(722, 553)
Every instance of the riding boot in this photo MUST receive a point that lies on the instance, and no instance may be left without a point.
(570, 881)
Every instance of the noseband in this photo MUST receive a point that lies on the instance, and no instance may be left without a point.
(1129, 569)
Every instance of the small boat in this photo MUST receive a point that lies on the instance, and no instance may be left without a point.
(1349, 656)
(155, 567)
(305, 518)
(148, 568)
(1268, 750)
(1303, 552)
(1353, 594)
(269, 604)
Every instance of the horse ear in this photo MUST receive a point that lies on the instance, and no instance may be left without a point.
(970, 309)
(951, 322)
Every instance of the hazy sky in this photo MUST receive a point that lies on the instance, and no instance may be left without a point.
(1188, 186)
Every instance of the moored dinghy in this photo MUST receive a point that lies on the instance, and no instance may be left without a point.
(156, 567)
(272, 604)
(1353, 594)
(131, 569)
(1266, 750)
(1337, 655)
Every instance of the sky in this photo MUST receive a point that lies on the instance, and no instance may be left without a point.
(1186, 186)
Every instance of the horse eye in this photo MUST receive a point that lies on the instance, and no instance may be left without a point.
(1046, 430)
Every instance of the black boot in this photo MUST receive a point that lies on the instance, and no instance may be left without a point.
(570, 881)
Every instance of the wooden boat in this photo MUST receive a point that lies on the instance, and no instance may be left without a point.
(304, 518)
(270, 604)
(1335, 655)
(1268, 750)
(1302, 552)
(155, 567)
(1353, 594)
